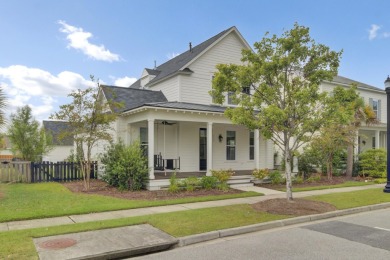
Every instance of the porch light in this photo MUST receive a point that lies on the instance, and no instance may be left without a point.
(387, 86)
(220, 137)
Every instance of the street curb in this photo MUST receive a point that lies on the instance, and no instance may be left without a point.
(203, 237)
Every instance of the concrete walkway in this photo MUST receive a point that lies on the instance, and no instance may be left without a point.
(26, 224)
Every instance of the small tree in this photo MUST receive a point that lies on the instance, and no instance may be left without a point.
(348, 109)
(89, 119)
(29, 141)
(277, 89)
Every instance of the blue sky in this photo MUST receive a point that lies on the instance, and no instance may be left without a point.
(49, 48)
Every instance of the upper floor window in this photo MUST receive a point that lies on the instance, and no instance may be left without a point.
(375, 104)
(230, 95)
(230, 145)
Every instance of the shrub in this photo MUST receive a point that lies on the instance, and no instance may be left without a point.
(125, 166)
(276, 177)
(173, 184)
(380, 181)
(208, 182)
(373, 163)
(222, 175)
(297, 180)
(191, 183)
(314, 178)
(223, 186)
(260, 173)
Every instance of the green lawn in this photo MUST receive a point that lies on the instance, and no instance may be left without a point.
(29, 201)
(19, 245)
(325, 187)
(346, 200)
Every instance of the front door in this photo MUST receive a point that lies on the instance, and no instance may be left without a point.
(202, 149)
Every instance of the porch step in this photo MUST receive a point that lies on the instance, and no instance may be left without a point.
(240, 181)
(241, 185)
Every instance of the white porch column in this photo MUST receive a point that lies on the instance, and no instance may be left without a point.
(377, 139)
(128, 134)
(257, 148)
(209, 148)
(356, 146)
(151, 148)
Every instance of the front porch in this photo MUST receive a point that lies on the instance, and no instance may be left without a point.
(193, 143)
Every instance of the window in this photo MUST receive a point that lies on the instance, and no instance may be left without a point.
(373, 142)
(143, 136)
(251, 145)
(230, 145)
(231, 94)
(375, 104)
(230, 98)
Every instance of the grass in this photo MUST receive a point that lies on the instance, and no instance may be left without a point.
(30, 201)
(18, 244)
(325, 187)
(346, 200)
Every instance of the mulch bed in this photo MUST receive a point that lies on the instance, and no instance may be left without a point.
(297, 207)
(102, 188)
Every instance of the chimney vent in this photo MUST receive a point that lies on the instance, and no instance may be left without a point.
(190, 47)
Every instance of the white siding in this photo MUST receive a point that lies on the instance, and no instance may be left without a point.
(58, 154)
(195, 87)
(169, 87)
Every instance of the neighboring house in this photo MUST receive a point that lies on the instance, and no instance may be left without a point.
(170, 111)
(62, 146)
(372, 136)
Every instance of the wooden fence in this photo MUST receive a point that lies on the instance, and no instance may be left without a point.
(60, 171)
(43, 171)
(15, 171)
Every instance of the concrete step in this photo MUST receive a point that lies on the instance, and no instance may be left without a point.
(241, 185)
(117, 243)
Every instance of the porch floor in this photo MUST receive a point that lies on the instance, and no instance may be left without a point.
(160, 175)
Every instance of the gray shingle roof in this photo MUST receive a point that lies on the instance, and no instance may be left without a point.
(132, 98)
(57, 129)
(347, 81)
(175, 64)
(188, 106)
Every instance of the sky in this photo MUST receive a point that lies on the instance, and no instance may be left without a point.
(50, 48)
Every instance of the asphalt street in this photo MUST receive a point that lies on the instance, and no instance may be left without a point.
(360, 236)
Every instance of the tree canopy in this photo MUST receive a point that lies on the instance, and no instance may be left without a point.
(276, 89)
(28, 139)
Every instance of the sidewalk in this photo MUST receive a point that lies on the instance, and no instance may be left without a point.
(269, 194)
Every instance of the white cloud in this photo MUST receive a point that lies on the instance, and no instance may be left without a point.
(124, 82)
(373, 32)
(172, 55)
(38, 88)
(79, 40)
(386, 34)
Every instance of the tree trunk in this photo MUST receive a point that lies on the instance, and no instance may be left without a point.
(349, 161)
(329, 167)
(287, 160)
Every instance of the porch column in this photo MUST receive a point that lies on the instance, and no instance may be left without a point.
(257, 149)
(356, 146)
(151, 148)
(128, 134)
(377, 139)
(209, 148)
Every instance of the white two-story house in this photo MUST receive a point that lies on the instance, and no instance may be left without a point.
(170, 111)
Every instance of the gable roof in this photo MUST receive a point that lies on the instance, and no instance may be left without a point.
(347, 81)
(131, 97)
(176, 64)
(56, 128)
